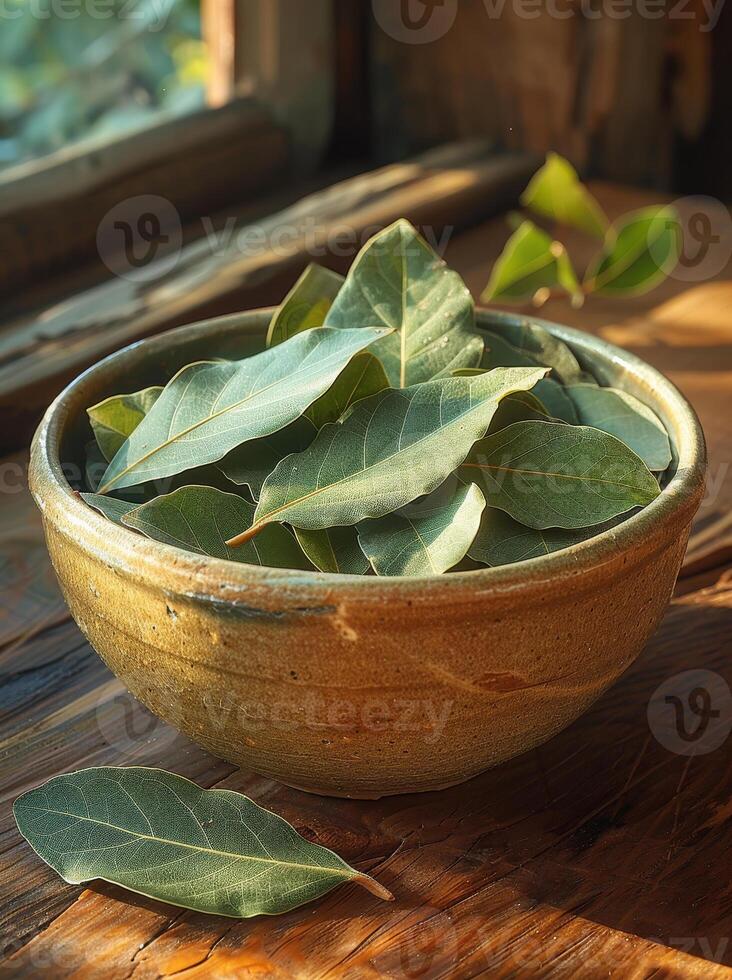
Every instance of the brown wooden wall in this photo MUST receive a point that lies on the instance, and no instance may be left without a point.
(609, 93)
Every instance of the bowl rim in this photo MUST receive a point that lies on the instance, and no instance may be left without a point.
(637, 538)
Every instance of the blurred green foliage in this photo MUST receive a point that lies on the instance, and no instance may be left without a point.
(71, 69)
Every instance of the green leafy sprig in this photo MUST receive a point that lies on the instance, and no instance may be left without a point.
(637, 252)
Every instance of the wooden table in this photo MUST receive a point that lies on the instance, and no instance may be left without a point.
(602, 853)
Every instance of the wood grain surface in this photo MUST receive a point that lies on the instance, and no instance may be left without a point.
(602, 853)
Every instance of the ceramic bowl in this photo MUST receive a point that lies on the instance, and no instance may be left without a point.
(360, 686)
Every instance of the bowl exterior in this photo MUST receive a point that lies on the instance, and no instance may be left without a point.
(366, 701)
(358, 687)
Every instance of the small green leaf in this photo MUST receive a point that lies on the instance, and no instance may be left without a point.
(518, 343)
(116, 418)
(555, 192)
(501, 540)
(306, 305)
(426, 538)
(640, 250)
(94, 464)
(211, 407)
(388, 450)
(547, 475)
(200, 519)
(109, 507)
(521, 406)
(335, 549)
(362, 377)
(557, 402)
(160, 835)
(251, 463)
(529, 264)
(624, 416)
(398, 281)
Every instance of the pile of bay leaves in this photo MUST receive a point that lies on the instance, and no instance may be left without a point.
(378, 432)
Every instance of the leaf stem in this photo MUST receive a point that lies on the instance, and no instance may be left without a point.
(245, 536)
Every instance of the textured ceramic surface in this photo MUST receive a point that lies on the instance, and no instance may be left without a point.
(360, 686)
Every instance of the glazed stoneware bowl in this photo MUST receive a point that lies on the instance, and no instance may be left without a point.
(360, 686)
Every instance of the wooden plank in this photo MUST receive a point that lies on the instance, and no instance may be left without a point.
(589, 856)
(528, 77)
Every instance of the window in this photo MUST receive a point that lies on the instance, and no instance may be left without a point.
(74, 70)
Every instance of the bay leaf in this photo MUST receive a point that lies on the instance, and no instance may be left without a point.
(95, 465)
(387, 450)
(426, 538)
(209, 408)
(251, 463)
(627, 418)
(116, 418)
(521, 406)
(501, 540)
(364, 375)
(109, 507)
(639, 251)
(160, 835)
(200, 519)
(547, 475)
(334, 549)
(535, 341)
(398, 281)
(530, 263)
(555, 399)
(555, 192)
(306, 305)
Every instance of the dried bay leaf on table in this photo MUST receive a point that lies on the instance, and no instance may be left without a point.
(398, 281)
(428, 536)
(547, 475)
(116, 418)
(200, 519)
(160, 835)
(627, 418)
(388, 450)
(209, 408)
(306, 305)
